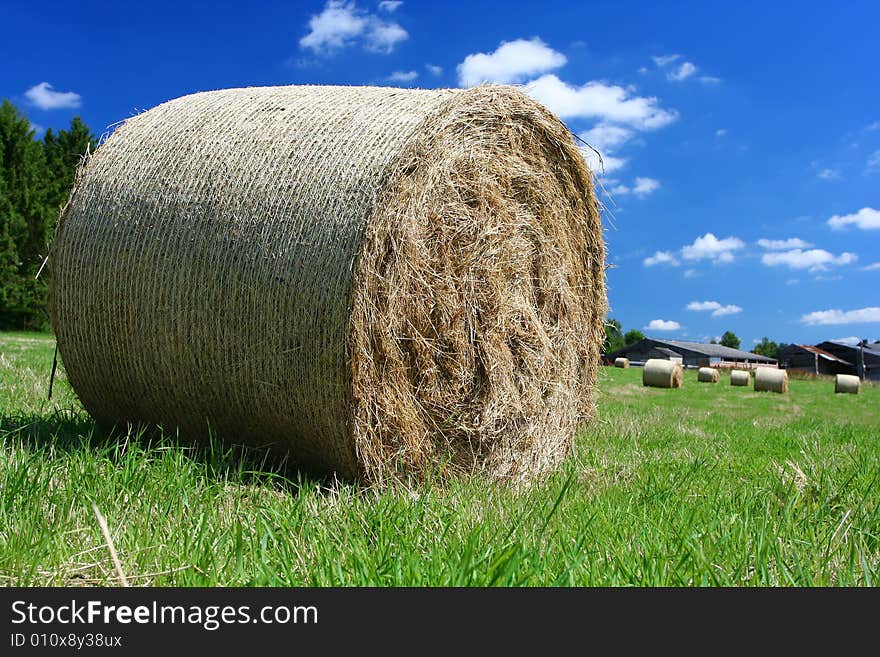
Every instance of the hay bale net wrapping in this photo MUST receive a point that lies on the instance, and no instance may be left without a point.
(771, 379)
(708, 375)
(380, 282)
(739, 378)
(621, 362)
(847, 383)
(661, 373)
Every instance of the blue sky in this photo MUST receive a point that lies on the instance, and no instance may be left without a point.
(741, 141)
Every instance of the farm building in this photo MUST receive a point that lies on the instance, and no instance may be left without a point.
(851, 353)
(690, 354)
(813, 359)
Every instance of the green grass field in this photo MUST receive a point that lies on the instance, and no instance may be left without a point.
(707, 485)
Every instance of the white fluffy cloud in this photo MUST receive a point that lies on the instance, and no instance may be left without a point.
(836, 316)
(434, 70)
(611, 103)
(46, 98)
(730, 309)
(811, 259)
(873, 162)
(709, 247)
(606, 136)
(717, 309)
(382, 37)
(829, 174)
(343, 24)
(682, 72)
(874, 266)
(662, 325)
(641, 187)
(645, 186)
(866, 219)
(661, 258)
(512, 61)
(703, 305)
(403, 76)
(781, 245)
(664, 60)
(390, 5)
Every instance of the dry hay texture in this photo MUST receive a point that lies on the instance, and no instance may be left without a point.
(621, 362)
(383, 283)
(708, 375)
(847, 383)
(661, 373)
(771, 379)
(740, 377)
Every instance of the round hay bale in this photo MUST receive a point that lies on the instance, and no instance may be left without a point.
(708, 375)
(380, 282)
(661, 373)
(739, 377)
(771, 379)
(847, 383)
(621, 362)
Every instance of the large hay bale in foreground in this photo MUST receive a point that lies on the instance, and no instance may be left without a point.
(771, 379)
(708, 375)
(739, 377)
(379, 282)
(661, 373)
(847, 383)
(621, 362)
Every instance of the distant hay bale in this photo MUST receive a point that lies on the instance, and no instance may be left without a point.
(661, 373)
(708, 375)
(739, 377)
(380, 282)
(621, 362)
(771, 379)
(847, 383)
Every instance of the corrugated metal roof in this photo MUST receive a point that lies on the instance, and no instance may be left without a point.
(855, 347)
(715, 350)
(821, 352)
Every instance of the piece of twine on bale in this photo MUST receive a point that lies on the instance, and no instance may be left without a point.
(662, 373)
(379, 282)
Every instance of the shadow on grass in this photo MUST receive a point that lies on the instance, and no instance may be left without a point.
(64, 432)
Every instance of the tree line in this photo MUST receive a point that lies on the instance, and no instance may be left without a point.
(35, 179)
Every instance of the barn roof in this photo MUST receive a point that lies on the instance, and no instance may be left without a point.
(815, 350)
(708, 350)
(869, 351)
(716, 350)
